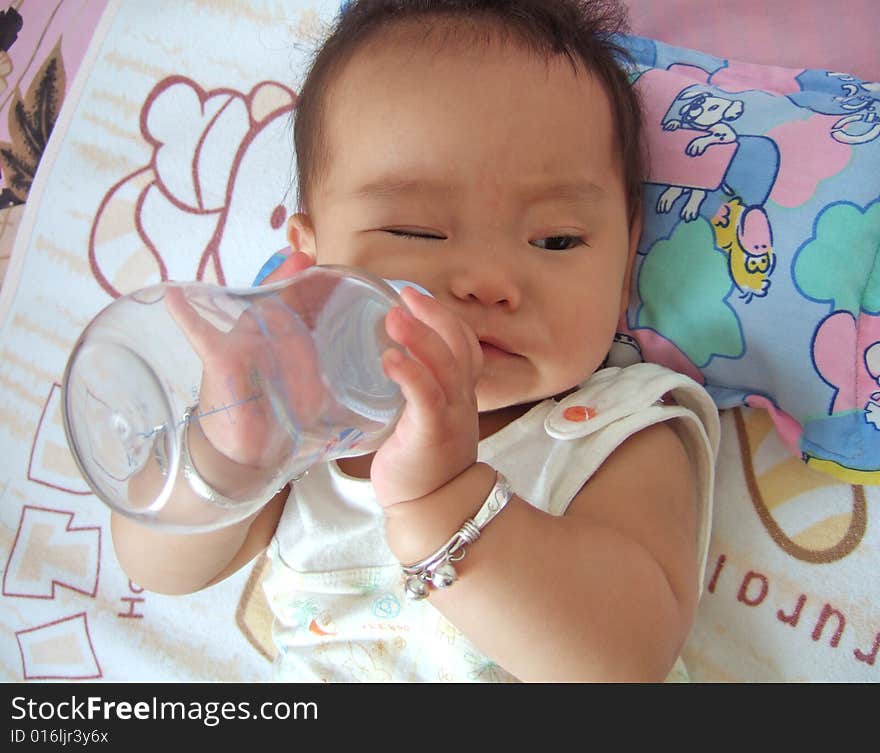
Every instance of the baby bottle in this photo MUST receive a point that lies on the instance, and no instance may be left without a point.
(188, 405)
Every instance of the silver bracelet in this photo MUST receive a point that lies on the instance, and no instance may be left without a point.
(201, 487)
(192, 476)
(437, 569)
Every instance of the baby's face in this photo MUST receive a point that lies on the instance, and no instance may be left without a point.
(489, 176)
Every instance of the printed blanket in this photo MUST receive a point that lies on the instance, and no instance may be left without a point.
(170, 157)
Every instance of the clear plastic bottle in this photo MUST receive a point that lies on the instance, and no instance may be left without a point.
(188, 405)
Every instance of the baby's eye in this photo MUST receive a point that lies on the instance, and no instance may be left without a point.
(407, 233)
(558, 242)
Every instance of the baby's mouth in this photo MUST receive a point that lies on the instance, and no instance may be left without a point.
(493, 348)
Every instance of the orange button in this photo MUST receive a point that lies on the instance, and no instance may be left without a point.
(579, 413)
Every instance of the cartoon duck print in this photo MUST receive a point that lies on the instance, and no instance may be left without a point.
(744, 234)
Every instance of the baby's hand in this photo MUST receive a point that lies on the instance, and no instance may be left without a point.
(436, 437)
(243, 366)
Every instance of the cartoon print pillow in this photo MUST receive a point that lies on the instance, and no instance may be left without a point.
(756, 269)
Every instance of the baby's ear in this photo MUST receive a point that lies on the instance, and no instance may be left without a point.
(301, 234)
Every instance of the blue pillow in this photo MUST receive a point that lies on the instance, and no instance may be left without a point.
(756, 269)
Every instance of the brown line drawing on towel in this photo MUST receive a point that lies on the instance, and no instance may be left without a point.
(766, 499)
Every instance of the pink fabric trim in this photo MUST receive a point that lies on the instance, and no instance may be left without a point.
(791, 33)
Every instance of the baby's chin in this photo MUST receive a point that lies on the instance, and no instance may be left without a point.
(524, 382)
(494, 400)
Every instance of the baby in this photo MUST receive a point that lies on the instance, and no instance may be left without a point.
(490, 152)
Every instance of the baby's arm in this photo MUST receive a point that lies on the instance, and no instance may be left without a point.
(173, 563)
(176, 563)
(606, 592)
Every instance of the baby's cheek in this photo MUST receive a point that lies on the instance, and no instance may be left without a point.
(370, 251)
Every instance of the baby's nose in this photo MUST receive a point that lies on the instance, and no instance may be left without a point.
(486, 283)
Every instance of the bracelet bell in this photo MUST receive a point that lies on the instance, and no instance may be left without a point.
(437, 570)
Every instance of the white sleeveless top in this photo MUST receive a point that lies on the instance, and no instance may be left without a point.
(336, 589)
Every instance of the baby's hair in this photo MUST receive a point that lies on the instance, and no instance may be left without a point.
(582, 30)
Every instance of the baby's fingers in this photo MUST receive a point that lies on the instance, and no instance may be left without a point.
(425, 399)
(459, 338)
(202, 336)
(429, 349)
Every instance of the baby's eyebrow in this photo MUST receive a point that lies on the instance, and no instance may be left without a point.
(571, 191)
(575, 192)
(388, 187)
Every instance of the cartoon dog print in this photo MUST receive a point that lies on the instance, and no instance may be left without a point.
(862, 100)
(701, 111)
(856, 101)
(872, 364)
